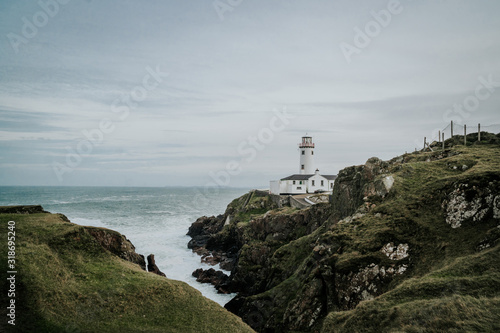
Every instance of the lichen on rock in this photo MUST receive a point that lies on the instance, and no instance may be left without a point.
(470, 203)
(365, 284)
(396, 252)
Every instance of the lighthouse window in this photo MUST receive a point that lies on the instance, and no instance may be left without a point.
(303, 152)
(294, 182)
(302, 167)
(313, 183)
(322, 183)
(312, 152)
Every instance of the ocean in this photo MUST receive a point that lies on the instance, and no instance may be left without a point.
(155, 220)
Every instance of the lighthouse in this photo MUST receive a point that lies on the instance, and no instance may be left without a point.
(308, 180)
(306, 151)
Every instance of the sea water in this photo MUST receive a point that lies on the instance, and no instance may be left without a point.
(155, 220)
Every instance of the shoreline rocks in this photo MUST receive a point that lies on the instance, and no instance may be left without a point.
(152, 268)
(217, 278)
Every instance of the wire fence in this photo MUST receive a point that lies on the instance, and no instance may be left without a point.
(468, 134)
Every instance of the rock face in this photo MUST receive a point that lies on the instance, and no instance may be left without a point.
(117, 244)
(152, 266)
(201, 230)
(358, 184)
(262, 236)
(264, 259)
(468, 203)
(365, 284)
(221, 247)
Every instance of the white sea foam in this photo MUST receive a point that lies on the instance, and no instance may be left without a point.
(88, 222)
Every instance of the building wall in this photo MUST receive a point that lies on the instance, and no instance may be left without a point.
(275, 186)
(314, 183)
(296, 188)
(288, 186)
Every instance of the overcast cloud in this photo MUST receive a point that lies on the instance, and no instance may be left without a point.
(233, 71)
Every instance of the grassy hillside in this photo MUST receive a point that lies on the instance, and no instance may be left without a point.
(67, 282)
(453, 278)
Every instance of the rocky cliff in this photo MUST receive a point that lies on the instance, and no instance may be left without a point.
(409, 244)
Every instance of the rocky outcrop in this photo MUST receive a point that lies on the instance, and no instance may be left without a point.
(396, 252)
(262, 237)
(202, 229)
(117, 244)
(218, 246)
(33, 209)
(263, 269)
(469, 203)
(217, 278)
(365, 284)
(359, 184)
(208, 243)
(152, 268)
(260, 267)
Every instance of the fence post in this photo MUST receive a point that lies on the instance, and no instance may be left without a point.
(443, 141)
(465, 135)
(425, 142)
(479, 132)
(439, 137)
(451, 129)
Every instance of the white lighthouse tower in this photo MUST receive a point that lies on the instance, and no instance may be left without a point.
(308, 180)
(306, 151)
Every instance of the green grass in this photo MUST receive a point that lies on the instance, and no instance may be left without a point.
(250, 206)
(449, 286)
(463, 296)
(67, 282)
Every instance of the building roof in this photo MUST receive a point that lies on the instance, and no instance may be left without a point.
(298, 177)
(306, 177)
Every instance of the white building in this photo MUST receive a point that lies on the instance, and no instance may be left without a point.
(307, 180)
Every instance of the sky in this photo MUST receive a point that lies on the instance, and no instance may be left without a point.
(203, 93)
